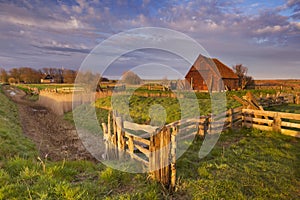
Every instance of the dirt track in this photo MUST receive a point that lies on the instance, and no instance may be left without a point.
(54, 137)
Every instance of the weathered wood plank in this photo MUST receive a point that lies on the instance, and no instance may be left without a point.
(120, 136)
(291, 133)
(109, 125)
(237, 116)
(138, 138)
(185, 121)
(277, 123)
(272, 114)
(173, 157)
(139, 127)
(289, 116)
(130, 145)
(258, 120)
(259, 112)
(143, 150)
(261, 127)
(237, 110)
(290, 125)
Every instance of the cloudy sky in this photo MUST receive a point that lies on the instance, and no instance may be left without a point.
(262, 35)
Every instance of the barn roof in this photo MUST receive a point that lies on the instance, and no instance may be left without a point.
(48, 77)
(204, 62)
(225, 71)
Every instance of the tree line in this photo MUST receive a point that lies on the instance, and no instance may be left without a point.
(30, 75)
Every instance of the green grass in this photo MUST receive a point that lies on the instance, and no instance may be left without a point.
(247, 164)
(43, 86)
(139, 106)
(12, 141)
(290, 108)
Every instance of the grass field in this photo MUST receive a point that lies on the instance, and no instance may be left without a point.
(245, 164)
(43, 86)
(290, 108)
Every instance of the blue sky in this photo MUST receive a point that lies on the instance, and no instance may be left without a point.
(262, 35)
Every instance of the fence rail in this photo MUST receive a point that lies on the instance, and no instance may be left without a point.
(285, 123)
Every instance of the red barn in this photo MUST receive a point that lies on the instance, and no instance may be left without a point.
(208, 74)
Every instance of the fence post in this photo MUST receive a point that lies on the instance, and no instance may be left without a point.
(165, 141)
(120, 136)
(159, 156)
(109, 125)
(173, 156)
(230, 117)
(104, 128)
(114, 136)
(131, 145)
(277, 123)
(209, 124)
(298, 98)
(243, 117)
(201, 127)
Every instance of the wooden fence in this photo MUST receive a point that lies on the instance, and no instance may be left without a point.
(156, 147)
(285, 123)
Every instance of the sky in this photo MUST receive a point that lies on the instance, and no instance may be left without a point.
(262, 35)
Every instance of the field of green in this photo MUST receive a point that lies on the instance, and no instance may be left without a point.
(291, 108)
(245, 164)
(43, 86)
(139, 105)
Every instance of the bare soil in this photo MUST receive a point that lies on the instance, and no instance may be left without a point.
(55, 138)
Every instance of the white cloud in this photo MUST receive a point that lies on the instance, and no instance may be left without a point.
(296, 25)
(271, 29)
(72, 23)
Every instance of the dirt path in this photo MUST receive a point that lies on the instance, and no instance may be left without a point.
(54, 137)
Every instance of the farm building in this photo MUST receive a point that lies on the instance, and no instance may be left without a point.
(208, 74)
(47, 79)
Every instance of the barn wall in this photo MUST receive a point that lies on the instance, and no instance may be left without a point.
(198, 81)
(231, 83)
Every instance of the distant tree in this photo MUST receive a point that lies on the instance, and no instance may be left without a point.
(131, 78)
(29, 75)
(3, 75)
(69, 75)
(244, 80)
(15, 73)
